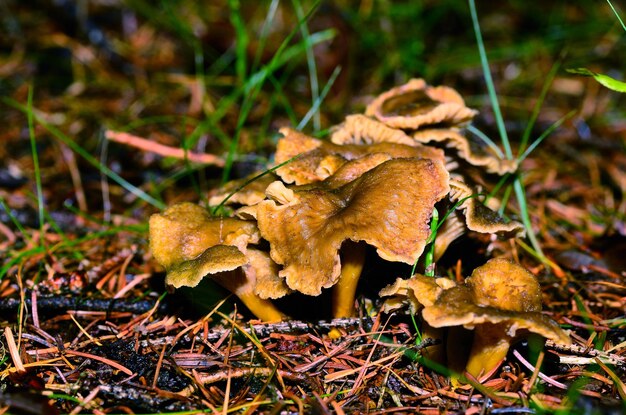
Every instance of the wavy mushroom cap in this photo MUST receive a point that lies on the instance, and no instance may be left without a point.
(320, 159)
(480, 218)
(186, 230)
(417, 292)
(416, 104)
(361, 129)
(471, 149)
(388, 207)
(457, 307)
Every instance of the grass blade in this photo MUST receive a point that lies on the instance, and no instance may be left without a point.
(486, 140)
(617, 15)
(33, 147)
(546, 133)
(537, 107)
(316, 103)
(310, 60)
(493, 97)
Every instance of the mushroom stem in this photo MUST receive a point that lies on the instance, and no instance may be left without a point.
(352, 259)
(490, 346)
(237, 283)
(264, 309)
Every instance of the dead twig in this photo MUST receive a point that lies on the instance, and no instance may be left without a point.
(163, 150)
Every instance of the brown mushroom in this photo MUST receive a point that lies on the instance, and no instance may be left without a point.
(388, 207)
(500, 301)
(320, 159)
(415, 104)
(190, 244)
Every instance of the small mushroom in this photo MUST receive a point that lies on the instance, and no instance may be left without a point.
(416, 104)
(190, 244)
(500, 301)
(388, 207)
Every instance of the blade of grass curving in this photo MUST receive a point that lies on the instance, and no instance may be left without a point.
(219, 207)
(317, 102)
(310, 60)
(493, 97)
(33, 148)
(84, 154)
(472, 129)
(538, 104)
(517, 183)
(546, 133)
(617, 15)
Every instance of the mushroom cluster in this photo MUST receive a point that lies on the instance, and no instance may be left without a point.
(304, 227)
(500, 302)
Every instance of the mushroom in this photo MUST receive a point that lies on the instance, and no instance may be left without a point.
(320, 159)
(500, 301)
(388, 207)
(415, 104)
(191, 244)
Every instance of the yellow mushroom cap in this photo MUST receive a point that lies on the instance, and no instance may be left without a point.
(505, 285)
(184, 231)
(388, 207)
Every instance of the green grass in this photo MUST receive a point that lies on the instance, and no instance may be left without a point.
(517, 182)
